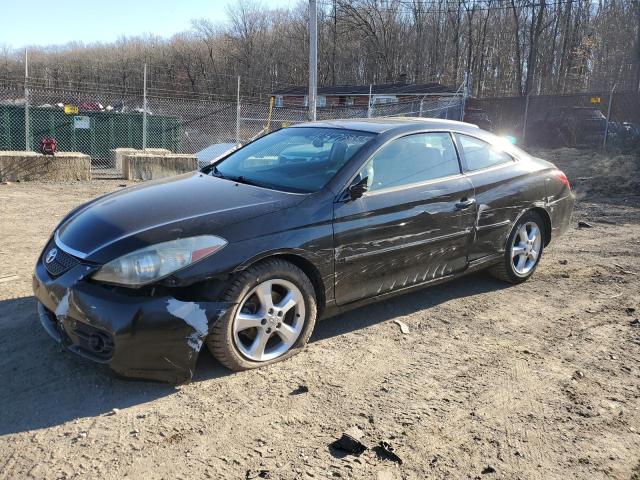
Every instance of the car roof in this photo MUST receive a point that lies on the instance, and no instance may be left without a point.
(379, 125)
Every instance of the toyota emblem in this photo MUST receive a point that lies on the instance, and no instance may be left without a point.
(51, 255)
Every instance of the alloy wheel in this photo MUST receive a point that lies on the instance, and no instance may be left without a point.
(525, 249)
(269, 320)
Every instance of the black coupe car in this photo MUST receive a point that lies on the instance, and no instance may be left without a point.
(244, 255)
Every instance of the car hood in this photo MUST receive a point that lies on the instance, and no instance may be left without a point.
(157, 211)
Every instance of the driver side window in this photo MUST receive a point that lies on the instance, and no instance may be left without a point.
(411, 159)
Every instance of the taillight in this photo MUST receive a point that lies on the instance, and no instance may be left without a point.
(559, 174)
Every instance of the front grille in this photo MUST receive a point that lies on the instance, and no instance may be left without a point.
(62, 262)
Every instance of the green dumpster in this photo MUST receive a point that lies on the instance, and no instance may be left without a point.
(93, 133)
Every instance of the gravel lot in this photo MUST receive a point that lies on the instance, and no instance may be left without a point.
(540, 380)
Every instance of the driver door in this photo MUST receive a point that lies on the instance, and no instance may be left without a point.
(411, 226)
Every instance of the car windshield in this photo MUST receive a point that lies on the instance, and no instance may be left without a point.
(299, 159)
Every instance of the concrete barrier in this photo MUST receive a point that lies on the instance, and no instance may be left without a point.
(147, 166)
(116, 156)
(29, 166)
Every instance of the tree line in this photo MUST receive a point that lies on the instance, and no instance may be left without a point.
(505, 48)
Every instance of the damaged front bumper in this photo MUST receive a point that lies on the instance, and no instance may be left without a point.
(150, 335)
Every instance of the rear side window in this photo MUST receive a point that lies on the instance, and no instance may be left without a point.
(412, 159)
(479, 154)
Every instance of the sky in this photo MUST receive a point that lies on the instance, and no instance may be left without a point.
(56, 22)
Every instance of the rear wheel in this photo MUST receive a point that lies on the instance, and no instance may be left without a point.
(523, 251)
(273, 318)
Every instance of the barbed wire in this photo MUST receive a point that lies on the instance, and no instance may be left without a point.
(98, 87)
(117, 70)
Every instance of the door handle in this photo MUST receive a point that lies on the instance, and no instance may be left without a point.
(465, 203)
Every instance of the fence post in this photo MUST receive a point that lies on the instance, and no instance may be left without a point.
(421, 102)
(464, 96)
(238, 113)
(524, 122)
(606, 128)
(369, 106)
(27, 128)
(144, 108)
(268, 127)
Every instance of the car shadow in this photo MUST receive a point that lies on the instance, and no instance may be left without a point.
(43, 385)
(406, 304)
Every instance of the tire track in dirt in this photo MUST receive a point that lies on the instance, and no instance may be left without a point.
(457, 393)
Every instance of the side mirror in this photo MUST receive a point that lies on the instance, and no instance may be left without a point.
(356, 190)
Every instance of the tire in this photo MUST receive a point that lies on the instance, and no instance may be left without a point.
(232, 346)
(507, 270)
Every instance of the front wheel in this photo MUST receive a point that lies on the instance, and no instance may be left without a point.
(272, 319)
(523, 250)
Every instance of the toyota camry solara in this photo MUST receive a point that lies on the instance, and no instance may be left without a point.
(245, 255)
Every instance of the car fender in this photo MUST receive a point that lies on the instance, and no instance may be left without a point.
(321, 278)
(537, 206)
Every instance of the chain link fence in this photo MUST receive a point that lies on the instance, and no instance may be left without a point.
(99, 119)
(608, 120)
(258, 118)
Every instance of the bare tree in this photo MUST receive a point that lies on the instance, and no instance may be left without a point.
(510, 47)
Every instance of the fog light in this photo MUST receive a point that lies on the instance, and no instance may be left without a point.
(97, 342)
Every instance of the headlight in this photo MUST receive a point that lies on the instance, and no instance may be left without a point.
(152, 263)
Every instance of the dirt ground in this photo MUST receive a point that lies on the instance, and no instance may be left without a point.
(539, 380)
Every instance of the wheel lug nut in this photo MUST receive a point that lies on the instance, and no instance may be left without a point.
(271, 310)
(268, 330)
(280, 313)
(278, 325)
(263, 321)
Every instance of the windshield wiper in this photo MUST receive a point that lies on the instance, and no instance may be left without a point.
(218, 173)
(248, 181)
(238, 179)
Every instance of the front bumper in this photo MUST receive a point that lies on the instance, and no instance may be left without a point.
(138, 334)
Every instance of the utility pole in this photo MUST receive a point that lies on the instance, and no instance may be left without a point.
(238, 114)
(27, 129)
(313, 58)
(144, 108)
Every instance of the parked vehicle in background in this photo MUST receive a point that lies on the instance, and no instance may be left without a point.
(479, 117)
(568, 127)
(303, 223)
(624, 135)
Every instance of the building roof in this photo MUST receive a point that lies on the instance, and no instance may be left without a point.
(381, 89)
(382, 124)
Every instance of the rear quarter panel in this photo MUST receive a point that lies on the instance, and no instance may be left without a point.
(559, 203)
(503, 194)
